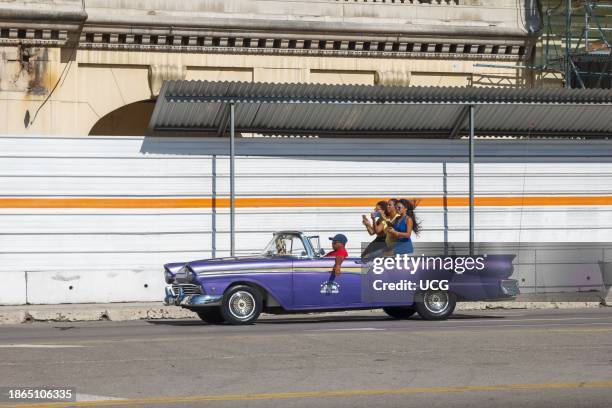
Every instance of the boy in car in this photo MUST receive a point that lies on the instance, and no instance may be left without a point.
(338, 244)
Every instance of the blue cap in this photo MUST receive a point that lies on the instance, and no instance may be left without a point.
(340, 238)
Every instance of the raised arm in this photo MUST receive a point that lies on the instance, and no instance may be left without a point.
(368, 225)
(379, 227)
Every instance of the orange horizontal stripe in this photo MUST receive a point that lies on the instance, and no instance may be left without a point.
(277, 202)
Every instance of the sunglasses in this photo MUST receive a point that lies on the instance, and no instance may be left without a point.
(399, 207)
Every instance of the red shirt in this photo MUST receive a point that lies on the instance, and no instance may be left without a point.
(340, 252)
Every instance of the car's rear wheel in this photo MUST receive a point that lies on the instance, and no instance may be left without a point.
(241, 305)
(435, 304)
(399, 312)
(211, 315)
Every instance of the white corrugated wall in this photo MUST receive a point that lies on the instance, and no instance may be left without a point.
(83, 253)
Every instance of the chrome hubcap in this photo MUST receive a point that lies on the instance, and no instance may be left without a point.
(242, 305)
(436, 302)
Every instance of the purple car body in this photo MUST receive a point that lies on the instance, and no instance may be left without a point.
(300, 279)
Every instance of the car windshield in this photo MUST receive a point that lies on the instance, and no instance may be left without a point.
(315, 243)
(285, 244)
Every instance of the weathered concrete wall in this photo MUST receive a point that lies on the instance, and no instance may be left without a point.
(395, 17)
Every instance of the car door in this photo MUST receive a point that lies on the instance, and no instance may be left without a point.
(314, 285)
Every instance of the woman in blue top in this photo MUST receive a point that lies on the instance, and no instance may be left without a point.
(405, 225)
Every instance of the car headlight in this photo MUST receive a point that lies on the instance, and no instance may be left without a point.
(168, 276)
(190, 275)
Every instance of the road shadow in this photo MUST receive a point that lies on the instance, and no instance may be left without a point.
(340, 319)
(190, 322)
(316, 319)
(322, 319)
(472, 317)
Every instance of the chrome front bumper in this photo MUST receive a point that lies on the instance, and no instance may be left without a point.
(184, 300)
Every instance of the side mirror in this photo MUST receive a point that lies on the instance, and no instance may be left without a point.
(321, 252)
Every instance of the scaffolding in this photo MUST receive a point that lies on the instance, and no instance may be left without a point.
(576, 42)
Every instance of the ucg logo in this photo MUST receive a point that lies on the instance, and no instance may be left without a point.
(330, 287)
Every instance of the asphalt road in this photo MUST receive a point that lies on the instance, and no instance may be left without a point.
(518, 358)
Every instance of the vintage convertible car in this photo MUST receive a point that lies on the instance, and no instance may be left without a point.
(293, 275)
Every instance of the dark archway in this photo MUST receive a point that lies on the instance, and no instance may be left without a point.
(128, 120)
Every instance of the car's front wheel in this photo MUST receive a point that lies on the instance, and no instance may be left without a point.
(241, 305)
(435, 304)
(211, 315)
(399, 312)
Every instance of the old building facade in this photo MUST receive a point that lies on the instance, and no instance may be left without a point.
(94, 67)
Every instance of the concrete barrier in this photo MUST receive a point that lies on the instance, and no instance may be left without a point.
(606, 274)
(13, 289)
(151, 311)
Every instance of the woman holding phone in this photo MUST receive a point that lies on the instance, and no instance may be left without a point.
(376, 227)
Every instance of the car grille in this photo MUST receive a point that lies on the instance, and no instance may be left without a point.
(188, 289)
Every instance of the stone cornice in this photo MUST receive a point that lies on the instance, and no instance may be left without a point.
(325, 27)
(246, 45)
(41, 23)
(428, 48)
(39, 37)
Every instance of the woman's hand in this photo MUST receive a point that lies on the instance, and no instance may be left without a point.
(365, 221)
(392, 231)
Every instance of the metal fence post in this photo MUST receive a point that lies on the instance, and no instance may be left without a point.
(232, 184)
(471, 148)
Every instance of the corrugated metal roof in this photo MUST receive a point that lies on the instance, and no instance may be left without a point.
(361, 110)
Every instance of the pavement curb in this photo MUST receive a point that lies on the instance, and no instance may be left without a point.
(119, 312)
(528, 305)
(85, 313)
